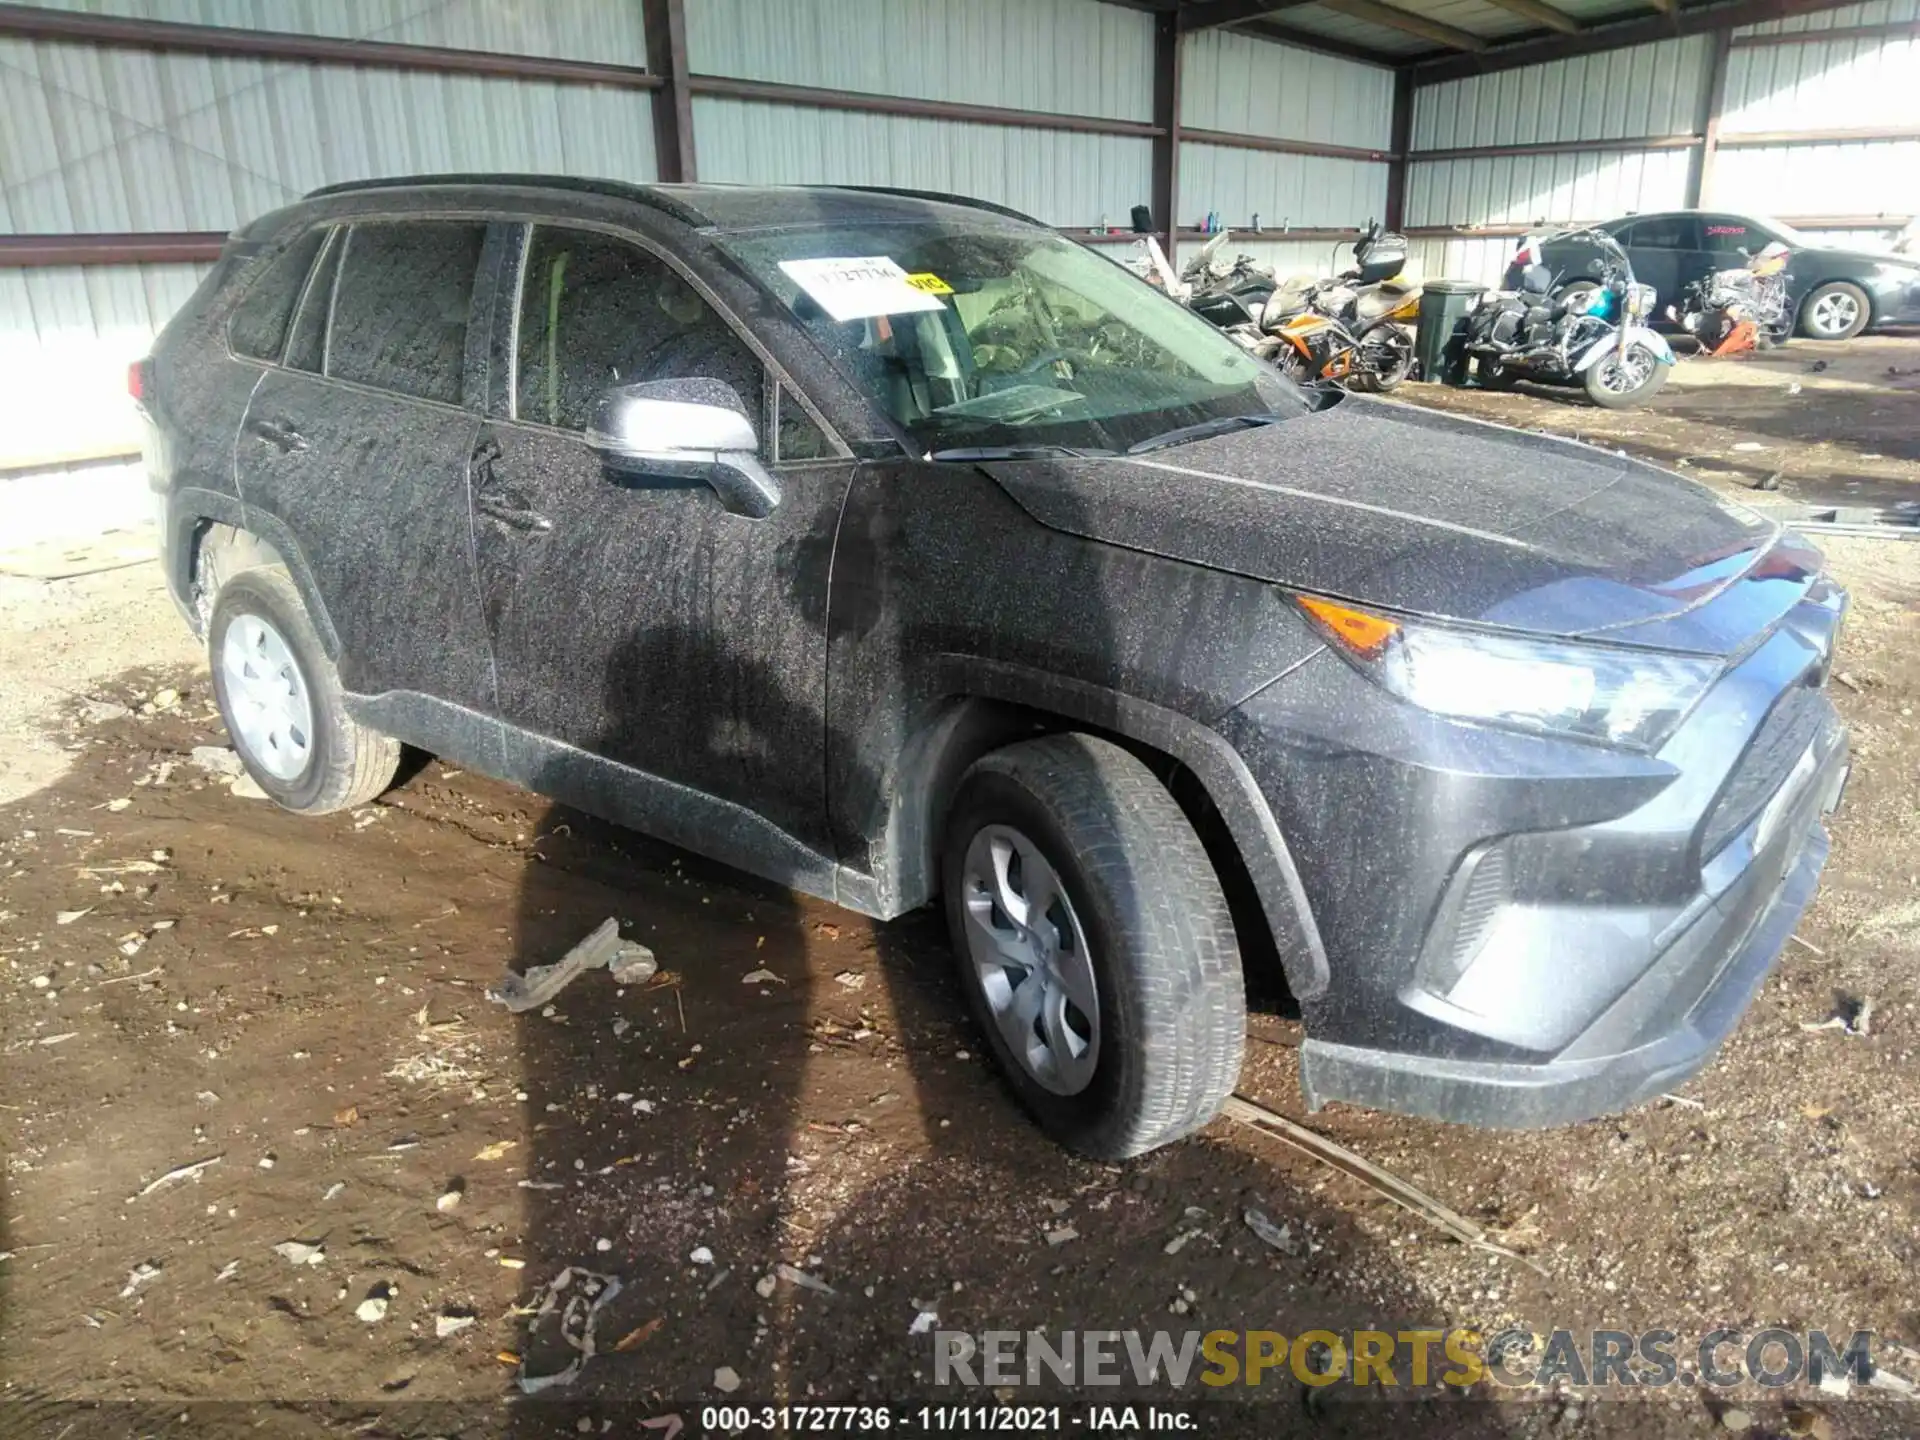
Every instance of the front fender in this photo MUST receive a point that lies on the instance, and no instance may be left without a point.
(1652, 339)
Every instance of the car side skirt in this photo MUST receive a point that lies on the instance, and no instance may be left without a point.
(664, 809)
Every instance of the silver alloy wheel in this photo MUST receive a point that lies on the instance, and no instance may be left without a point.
(1030, 951)
(268, 707)
(1834, 313)
(1623, 374)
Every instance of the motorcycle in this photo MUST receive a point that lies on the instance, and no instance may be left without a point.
(1595, 336)
(1351, 328)
(1743, 308)
(1227, 295)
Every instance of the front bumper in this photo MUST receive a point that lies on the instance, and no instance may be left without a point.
(1523, 931)
(1662, 1029)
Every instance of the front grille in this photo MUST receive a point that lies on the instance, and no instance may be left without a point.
(1782, 738)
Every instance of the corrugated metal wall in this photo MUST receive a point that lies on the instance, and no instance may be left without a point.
(1660, 90)
(1233, 83)
(1646, 90)
(1064, 55)
(1839, 84)
(567, 29)
(112, 139)
(1069, 56)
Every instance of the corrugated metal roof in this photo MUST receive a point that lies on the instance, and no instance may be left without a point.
(109, 139)
(1314, 20)
(1057, 176)
(1071, 56)
(1304, 190)
(1646, 90)
(606, 30)
(1254, 87)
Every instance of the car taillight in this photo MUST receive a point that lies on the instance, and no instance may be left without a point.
(139, 374)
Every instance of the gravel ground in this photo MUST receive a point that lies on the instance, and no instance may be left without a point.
(191, 976)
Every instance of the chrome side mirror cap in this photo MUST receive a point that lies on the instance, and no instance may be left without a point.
(697, 429)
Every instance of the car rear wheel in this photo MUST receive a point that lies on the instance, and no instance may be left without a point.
(1094, 943)
(281, 699)
(1838, 310)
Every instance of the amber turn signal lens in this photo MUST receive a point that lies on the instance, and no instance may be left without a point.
(1364, 634)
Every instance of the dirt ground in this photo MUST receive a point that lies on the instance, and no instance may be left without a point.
(193, 977)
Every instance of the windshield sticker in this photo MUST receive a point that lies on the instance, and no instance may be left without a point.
(929, 283)
(859, 287)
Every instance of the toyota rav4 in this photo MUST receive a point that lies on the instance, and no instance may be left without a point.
(894, 547)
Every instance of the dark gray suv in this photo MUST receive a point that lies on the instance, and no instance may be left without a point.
(892, 547)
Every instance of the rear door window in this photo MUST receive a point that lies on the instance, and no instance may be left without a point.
(1729, 234)
(597, 311)
(1664, 232)
(258, 328)
(401, 305)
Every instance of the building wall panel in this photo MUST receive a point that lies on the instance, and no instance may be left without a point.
(1252, 87)
(1056, 176)
(1070, 56)
(1302, 190)
(564, 29)
(1644, 90)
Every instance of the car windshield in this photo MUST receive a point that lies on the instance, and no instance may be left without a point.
(977, 335)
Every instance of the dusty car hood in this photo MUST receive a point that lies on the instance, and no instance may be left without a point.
(1423, 512)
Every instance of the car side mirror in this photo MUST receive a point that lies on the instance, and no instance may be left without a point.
(695, 429)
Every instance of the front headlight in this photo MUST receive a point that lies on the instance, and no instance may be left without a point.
(1612, 695)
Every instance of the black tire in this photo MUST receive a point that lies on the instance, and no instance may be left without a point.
(1160, 941)
(1842, 291)
(347, 764)
(1388, 354)
(1607, 399)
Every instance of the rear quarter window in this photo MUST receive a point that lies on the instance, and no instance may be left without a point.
(401, 304)
(258, 328)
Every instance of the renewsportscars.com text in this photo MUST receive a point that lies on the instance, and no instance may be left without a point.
(1458, 1358)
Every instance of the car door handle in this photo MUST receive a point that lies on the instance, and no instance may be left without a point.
(280, 433)
(507, 512)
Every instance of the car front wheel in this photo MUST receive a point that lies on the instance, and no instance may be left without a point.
(282, 702)
(1095, 945)
(1837, 310)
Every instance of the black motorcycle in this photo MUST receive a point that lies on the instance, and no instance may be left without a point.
(1594, 335)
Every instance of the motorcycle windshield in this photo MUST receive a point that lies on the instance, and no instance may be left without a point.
(980, 333)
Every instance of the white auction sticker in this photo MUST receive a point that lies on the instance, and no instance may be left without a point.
(857, 287)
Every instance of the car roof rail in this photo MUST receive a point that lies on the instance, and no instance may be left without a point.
(616, 189)
(941, 197)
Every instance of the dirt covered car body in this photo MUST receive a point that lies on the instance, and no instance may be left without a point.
(895, 548)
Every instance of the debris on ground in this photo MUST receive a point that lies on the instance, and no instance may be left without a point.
(145, 1271)
(301, 1252)
(227, 1271)
(852, 979)
(173, 1176)
(1854, 1017)
(578, 1317)
(216, 760)
(1332, 1153)
(761, 977)
(495, 1150)
(726, 1379)
(373, 1309)
(639, 1335)
(449, 1200)
(1279, 1237)
(599, 950)
(98, 712)
(794, 1275)
(451, 1322)
(245, 787)
(67, 917)
(1062, 1235)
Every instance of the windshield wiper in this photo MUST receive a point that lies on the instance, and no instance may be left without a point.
(1202, 430)
(1017, 452)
